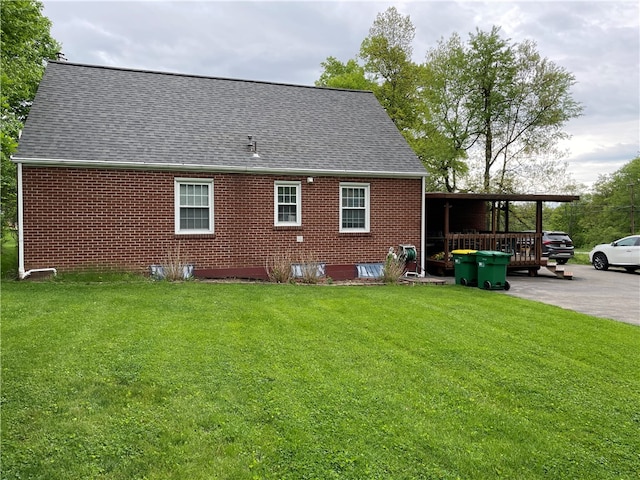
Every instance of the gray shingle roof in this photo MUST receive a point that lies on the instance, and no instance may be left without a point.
(84, 114)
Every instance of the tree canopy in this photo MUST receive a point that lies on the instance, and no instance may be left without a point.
(383, 65)
(349, 75)
(484, 115)
(26, 44)
(606, 214)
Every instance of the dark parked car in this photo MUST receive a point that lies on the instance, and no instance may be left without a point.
(557, 246)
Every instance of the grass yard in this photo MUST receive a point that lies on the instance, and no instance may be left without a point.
(142, 380)
(9, 256)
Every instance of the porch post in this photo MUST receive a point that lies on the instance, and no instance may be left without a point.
(538, 230)
(506, 216)
(493, 217)
(447, 207)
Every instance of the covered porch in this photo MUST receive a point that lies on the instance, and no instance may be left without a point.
(481, 222)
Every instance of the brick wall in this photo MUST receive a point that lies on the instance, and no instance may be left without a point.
(121, 219)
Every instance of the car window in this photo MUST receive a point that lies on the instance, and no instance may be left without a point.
(557, 236)
(628, 242)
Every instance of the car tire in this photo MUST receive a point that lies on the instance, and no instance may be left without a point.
(562, 261)
(600, 261)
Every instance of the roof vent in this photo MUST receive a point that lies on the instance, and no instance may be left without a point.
(252, 146)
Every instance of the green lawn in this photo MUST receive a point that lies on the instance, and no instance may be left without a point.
(9, 256)
(133, 380)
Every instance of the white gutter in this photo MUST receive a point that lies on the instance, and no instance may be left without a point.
(249, 169)
(423, 225)
(21, 273)
(20, 221)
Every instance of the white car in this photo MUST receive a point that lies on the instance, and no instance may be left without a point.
(621, 253)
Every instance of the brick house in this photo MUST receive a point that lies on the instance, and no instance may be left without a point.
(118, 167)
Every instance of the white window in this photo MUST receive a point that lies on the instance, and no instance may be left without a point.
(287, 201)
(354, 207)
(194, 205)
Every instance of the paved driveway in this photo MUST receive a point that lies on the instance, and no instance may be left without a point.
(612, 294)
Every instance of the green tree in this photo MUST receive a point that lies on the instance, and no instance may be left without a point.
(445, 132)
(349, 75)
(571, 218)
(500, 104)
(606, 213)
(26, 44)
(383, 66)
(611, 209)
(386, 53)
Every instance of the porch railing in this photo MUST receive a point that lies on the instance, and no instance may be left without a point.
(521, 245)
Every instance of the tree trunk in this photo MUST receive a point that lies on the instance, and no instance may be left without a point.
(487, 152)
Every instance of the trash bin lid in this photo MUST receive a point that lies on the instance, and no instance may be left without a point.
(492, 253)
(463, 252)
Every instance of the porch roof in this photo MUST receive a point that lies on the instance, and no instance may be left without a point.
(502, 197)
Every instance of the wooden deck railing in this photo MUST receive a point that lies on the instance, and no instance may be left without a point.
(521, 246)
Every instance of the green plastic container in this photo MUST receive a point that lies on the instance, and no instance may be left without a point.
(492, 269)
(465, 267)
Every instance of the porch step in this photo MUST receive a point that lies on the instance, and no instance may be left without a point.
(558, 270)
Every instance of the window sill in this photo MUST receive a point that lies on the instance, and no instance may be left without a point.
(288, 227)
(355, 234)
(193, 235)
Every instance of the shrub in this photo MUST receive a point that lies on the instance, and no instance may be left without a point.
(174, 266)
(393, 269)
(279, 269)
(311, 270)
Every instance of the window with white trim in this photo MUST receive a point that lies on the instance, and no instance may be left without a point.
(354, 207)
(287, 204)
(193, 205)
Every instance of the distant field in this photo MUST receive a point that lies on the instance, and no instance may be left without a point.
(192, 380)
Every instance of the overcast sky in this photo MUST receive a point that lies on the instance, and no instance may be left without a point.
(285, 41)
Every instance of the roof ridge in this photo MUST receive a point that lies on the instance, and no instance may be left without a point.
(193, 75)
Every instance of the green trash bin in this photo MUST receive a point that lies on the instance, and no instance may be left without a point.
(465, 267)
(492, 270)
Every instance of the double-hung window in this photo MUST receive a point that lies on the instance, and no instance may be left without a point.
(193, 206)
(287, 202)
(354, 207)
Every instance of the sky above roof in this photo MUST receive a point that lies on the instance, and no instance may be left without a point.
(285, 41)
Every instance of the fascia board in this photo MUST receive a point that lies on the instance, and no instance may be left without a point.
(46, 162)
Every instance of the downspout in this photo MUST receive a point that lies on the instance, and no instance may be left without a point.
(21, 273)
(20, 223)
(423, 233)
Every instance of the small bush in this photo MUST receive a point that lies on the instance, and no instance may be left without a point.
(279, 269)
(311, 270)
(393, 269)
(174, 266)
